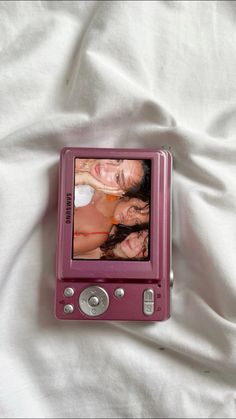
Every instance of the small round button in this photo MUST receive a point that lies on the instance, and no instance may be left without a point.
(93, 301)
(69, 292)
(68, 309)
(119, 292)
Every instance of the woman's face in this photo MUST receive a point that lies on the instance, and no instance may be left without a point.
(123, 174)
(131, 212)
(134, 246)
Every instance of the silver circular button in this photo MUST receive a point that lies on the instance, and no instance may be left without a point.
(93, 301)
(68, 309)
(69, 292)
(119, 292)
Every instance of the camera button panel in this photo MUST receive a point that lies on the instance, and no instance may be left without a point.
(93, 301)
(148, 302)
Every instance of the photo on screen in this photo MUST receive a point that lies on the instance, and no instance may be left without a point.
(112, 209)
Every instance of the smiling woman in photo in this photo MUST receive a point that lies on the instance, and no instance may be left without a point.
(114, 177)
(124, 243)
(93, 221)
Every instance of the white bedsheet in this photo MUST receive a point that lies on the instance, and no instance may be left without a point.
(118, 74)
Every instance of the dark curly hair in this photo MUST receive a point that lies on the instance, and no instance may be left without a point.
(121, 232)
(142, 189)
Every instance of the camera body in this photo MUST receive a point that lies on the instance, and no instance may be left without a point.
(114, 234)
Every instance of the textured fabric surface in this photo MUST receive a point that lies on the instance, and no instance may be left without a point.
(118, 74)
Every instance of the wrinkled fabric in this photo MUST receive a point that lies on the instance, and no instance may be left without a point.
(118, 74)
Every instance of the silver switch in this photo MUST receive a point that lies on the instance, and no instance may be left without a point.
(171, 278)
(148, 295)
(148, 302)
(148, 308)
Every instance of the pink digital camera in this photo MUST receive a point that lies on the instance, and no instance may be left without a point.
(114, 234)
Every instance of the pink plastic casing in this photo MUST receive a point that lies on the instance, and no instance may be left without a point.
(133, 277)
